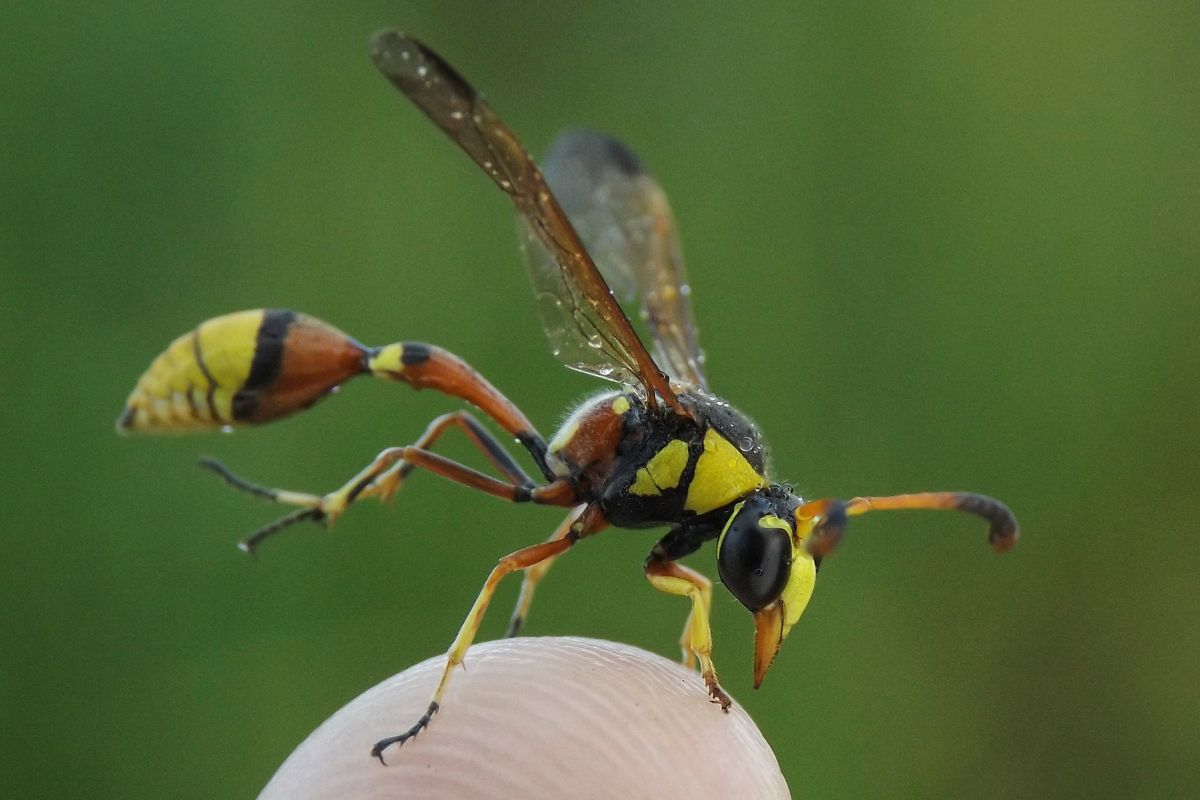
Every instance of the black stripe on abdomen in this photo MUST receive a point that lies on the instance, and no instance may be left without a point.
(267, 362)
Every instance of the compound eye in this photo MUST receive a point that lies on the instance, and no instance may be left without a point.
(753, 559)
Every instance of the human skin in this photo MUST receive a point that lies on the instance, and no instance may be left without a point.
(538, 718)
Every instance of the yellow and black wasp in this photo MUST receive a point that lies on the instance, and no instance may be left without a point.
(659, 451)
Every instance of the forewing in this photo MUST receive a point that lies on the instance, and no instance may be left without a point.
(603, 341)
(624, 220)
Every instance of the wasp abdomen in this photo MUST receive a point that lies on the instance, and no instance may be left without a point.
(246, 367)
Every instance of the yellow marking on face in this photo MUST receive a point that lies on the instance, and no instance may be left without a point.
(732, 516)
(803, 577)
(722, 475)
(801, 581)
(772, 521)
(620, 405)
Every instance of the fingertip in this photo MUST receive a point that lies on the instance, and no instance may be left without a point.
(539, 717)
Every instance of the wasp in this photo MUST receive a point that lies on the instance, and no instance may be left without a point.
(659, 451)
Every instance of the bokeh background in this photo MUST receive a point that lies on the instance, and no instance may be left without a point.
(931, 248)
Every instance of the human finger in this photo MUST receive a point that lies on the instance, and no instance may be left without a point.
(538, 718)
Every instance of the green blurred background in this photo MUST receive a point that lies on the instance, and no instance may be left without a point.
(951, 248)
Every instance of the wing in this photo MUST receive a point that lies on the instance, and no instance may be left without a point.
(577, 292)
(622, 216)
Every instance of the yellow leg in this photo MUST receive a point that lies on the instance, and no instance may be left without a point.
(322, 508)
(522, 559)
(673, 578)
(687, 640)
(533, 576)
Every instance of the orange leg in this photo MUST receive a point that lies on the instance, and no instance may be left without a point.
(422, 366)
(426, 366)
(534, 575)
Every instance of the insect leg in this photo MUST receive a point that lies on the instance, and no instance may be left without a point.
(588, 521)
(534, 575)
(460, 473)
(425, 366)
(688, 641)
(386, 484)
(329, 507)
(674, 578)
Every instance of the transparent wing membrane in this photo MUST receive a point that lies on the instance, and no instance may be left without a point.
(624, 220)
(593, 334)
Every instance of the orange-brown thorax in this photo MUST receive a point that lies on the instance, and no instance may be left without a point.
(652, 466)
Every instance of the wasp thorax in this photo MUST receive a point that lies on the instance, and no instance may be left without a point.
(754, 553)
